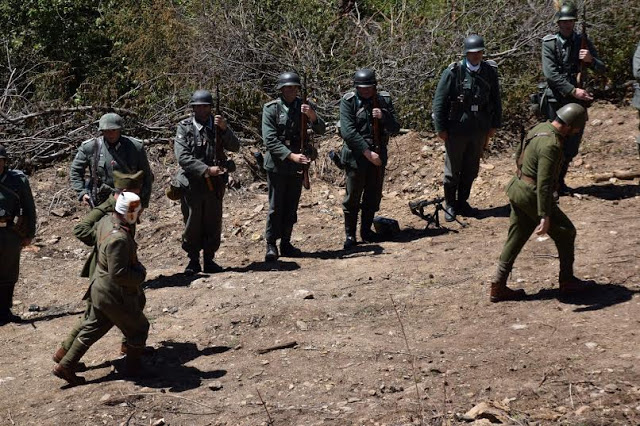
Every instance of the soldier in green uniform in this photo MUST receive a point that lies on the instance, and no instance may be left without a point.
(105, 154)
(85, 231)
(636, 94)
(467, 110)
(363, 162)
(532, 205)
(17, 229)
(284, 160)
(201, 200)
(116, 292)
(561, 57)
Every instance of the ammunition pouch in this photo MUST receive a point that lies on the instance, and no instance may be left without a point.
(335, 158)
(20, 227)
(456, 108)
(174, 191)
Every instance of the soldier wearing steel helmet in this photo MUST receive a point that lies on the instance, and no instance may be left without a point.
(364, 166)
(17, 229)
(467, 110)
(284, 160)
(539, 159)
(194, 148)
(561, 56)
(99, 157)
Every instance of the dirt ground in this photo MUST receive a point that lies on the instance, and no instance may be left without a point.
(395, 333)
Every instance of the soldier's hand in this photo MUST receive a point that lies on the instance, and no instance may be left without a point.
(299, 158)
(585, 56)
(373, 157)
(543, 227)
(377, 113)
(309, 112)
(220, 122)
(25, 242)
(582, 94)
(86, 200)
(444, 135)
(216, 170)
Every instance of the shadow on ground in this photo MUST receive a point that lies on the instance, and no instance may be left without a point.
(609, 191)
(594, 297)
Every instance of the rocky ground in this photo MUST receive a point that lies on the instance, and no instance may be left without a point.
(395, 333)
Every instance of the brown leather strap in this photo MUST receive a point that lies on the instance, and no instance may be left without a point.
(525, 178)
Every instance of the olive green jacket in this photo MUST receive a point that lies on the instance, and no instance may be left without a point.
(195, 155)
(541, 161)
(636, 75)
(127, 155)
(356, 127)
(16, 200)
(561, 64)
(467, 101)
(119, 275)
(281, 134)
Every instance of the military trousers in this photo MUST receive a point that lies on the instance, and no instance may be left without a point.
(129, 318)
(364, 189)
(462, 161)
(10, 247)
(202, 215)
(284, 197)
(523, 221)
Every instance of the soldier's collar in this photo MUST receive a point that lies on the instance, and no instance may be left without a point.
(116, 145)
(199, 126)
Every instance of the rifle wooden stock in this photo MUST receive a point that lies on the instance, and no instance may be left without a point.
(580, 80)
(304, 139)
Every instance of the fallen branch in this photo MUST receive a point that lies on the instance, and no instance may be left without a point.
(50, 111)
(287, 345)
(265, 407)
(618, 174)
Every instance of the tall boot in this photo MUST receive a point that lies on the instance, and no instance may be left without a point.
(499, 290)
(66, 368)
(450, 201)
(350, 225)
(286, 248)
(462, 205)
(568, 283)
(193, 267)
(133, 363)
(272, 252)
(366, 233)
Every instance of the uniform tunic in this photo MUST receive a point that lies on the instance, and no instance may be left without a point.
(530, 202)
(364, 180)
(466, 105)
(636, 94)
(127, 155)
(194, 148)
(16, 200)
(116, 293)
(281, 135)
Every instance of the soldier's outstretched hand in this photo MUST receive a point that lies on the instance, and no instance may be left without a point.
(299, 158)
(585, 56)
(582, 94)
(543, 227)
(309, 112)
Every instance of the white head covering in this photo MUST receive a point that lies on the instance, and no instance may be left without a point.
(128, 205)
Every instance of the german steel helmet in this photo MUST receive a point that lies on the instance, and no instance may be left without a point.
(364, 77)
(288, 79)
(110, 121)
(201, 97)
(567, 12)
(3, 152)
(473, 43)
(574, 115)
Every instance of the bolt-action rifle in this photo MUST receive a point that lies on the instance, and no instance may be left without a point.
(304, 138)
(377, 139)
(580, 78)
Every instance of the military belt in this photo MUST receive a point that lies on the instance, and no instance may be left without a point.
(525, 178)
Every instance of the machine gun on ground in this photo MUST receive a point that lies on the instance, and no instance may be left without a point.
(418, 208)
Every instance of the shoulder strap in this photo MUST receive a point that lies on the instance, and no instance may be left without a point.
(525, 144)
(97, 147)
(121, 163)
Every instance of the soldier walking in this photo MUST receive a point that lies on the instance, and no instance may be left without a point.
(105, 154)
(467, 110)
(85, 231)
(202, 179)
(17, 229)
(363, 157)
(284, 161)
(533, 209)
(636, 94)
(116, 293)
(561, 58)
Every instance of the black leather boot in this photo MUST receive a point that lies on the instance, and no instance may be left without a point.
(272, 252)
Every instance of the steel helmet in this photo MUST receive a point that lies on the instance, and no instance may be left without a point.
(473, 43)
(288, 79)
(110, 121)
(567, 12)
(364, 77)
(201, 97)
(574, 115)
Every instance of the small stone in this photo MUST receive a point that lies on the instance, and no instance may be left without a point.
(303, 294)
(519, 326)
(353, 399)
(52, 240)
(60, 212)
(159, 422)
(581, 410)
(591, 345)
(372, 392)
(302, 325)
(105, 397)
(215, 386)
(611, 388)
(258, 208)
(256, 236)
(596, 122)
